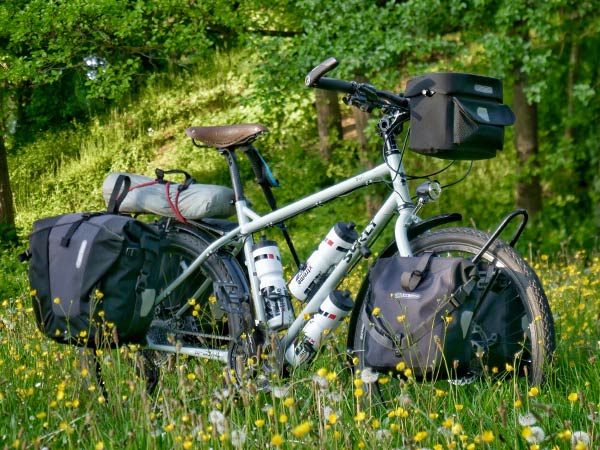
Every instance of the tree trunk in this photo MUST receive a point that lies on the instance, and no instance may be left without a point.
(329, 120)
(528, 193)
(7, 212)
(571, 80)
(361, 119)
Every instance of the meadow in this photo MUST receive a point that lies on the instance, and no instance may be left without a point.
(50, 396)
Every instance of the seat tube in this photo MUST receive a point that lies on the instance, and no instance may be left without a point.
(240, 205)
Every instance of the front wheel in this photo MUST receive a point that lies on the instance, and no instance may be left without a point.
(512, 329)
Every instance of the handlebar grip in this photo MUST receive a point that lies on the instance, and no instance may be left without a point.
(333, 84)
(314, 75)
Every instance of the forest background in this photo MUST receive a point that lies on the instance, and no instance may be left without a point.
(91, 87)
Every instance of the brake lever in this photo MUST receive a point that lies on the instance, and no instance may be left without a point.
(359, 101)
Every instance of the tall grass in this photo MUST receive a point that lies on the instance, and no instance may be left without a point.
(50, 396)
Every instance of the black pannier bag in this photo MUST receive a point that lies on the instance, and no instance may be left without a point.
(457, 115)
(93, 278)
(419, 310)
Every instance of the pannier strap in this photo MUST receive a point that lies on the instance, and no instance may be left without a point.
(118, 194)
(448, 305)
(410, 280)
(66, 239)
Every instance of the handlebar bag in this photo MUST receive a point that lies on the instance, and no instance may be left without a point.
(93, 278)
(457, 115)
(419, 310)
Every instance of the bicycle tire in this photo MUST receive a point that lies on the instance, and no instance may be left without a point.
(521, 289)
(211, 320)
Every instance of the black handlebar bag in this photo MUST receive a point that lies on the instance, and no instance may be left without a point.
(93, 278)
(457, 115)
(418, 312)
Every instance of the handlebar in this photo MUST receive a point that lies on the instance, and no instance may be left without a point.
(363, 95)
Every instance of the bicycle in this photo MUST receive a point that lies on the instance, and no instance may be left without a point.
(210, 303)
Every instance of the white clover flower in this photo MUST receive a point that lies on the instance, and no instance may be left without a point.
(527, 419)
(238, 438)
(368, 375)
(580, 437)
(537, 435)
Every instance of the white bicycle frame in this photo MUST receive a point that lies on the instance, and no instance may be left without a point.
(250, 222)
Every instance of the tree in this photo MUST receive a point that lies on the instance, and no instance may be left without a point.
(329, 121)
(7, 213)
(60, 59)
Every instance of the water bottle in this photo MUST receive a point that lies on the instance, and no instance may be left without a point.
(330, 251)
(267, 262)
(335, 307)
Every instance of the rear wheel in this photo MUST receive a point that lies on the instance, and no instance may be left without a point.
(512, 330)
(205, 314)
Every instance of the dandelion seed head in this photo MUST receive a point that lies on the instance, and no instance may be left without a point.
(321, 382)
(383, 435)
(280, 391)
(527, 419)
(535, 435)
(580, 437)
(369, 376)
(238, 438)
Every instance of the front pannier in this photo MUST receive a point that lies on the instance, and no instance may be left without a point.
(418, 311)
(457, 115)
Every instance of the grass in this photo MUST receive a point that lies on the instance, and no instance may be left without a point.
(50, 397)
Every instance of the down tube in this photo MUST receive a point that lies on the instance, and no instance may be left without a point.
(378, 222)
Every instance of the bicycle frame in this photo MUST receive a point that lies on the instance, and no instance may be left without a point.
(249, 222)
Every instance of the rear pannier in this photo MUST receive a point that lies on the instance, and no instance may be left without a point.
(457, 115)
(93, 278)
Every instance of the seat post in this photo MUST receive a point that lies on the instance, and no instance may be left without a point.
(234, 172)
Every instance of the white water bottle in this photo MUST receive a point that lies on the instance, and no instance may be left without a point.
(330, 251)
(267, 262)
(334, 309)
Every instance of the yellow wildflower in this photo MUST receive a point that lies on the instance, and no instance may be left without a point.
(301, 429)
